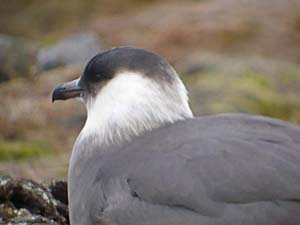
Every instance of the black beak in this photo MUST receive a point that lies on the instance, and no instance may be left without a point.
(66, 91)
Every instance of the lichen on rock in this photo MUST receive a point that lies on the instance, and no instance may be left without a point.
(27, 202)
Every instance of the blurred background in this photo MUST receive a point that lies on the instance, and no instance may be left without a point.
(233, 55)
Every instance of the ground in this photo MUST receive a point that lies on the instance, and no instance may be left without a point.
(234, 56)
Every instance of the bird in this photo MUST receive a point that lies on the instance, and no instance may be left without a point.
(142, 158)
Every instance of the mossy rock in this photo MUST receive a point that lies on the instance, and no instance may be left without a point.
(27, 202)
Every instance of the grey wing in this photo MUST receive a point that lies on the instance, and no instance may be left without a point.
(227, 169)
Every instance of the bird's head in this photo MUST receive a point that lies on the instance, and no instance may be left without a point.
(127, 91)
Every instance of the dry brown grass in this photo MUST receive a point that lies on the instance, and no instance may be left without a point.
(240, 34)
(34, 18)
(28, 117)
(172, 27)
(176, 30)
(231, 26)
(27, 112)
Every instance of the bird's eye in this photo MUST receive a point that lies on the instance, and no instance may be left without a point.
(98, 77)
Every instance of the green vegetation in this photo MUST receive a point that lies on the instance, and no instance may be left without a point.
(274, 94)
(18, 150)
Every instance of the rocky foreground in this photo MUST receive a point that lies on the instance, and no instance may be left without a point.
(27, 202)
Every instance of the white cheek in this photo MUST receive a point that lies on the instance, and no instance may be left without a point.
(131, 104)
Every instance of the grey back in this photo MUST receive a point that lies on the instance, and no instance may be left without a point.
(224, 169)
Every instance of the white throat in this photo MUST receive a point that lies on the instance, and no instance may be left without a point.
(131, 104)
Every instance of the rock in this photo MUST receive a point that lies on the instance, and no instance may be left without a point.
(59, 190)
(76, 49)
(27, 202)
(17, 57)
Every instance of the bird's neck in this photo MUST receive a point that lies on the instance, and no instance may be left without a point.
(132, 105)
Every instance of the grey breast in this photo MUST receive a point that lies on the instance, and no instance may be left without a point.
(225, 169)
